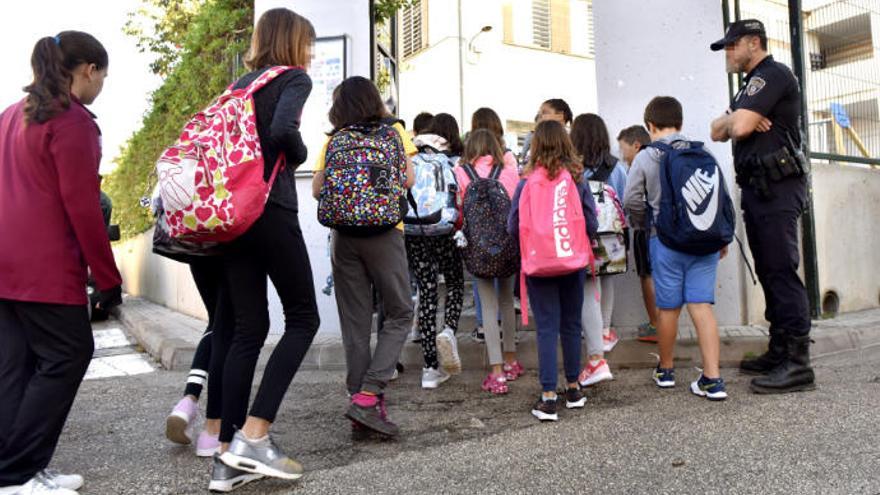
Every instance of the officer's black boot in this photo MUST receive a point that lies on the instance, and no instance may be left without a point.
(775, 355)
(794, 374)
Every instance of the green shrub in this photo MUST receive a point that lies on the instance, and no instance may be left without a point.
(199, 54)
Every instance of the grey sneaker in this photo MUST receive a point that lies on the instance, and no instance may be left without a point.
(369, 412)
(260, 457)
(226, 479)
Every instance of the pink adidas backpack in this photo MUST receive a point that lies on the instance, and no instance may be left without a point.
(211, 180)
(552, 229)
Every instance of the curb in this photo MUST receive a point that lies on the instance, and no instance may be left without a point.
(171, 338)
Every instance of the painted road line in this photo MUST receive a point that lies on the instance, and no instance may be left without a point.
(110, 338)
(123, 365)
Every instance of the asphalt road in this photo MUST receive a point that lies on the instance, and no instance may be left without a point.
(631, 438)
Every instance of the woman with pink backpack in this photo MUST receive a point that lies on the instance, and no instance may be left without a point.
(486, 183)
(553, 215)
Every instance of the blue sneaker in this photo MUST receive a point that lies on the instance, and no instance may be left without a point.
(712, 389)
(664, 377)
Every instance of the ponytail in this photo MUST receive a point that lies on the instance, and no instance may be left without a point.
(53, 61)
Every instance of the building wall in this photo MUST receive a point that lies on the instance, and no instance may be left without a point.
(511, 79)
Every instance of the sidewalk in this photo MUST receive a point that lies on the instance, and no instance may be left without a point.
(171, 339)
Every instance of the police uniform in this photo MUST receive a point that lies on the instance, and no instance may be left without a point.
(772, 204)
(771, 170)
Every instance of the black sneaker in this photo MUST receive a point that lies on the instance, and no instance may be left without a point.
(478, 335)
(574, 398)
(545, 409)
(371, 417)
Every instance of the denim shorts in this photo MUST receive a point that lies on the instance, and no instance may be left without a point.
(681, 278)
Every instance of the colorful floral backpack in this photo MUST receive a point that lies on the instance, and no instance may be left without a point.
(491, 251)
(364, 189)
(610, 251)
(211, 180)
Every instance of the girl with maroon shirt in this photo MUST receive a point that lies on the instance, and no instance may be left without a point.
(53, 233)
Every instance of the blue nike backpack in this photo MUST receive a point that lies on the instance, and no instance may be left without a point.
(696, 213)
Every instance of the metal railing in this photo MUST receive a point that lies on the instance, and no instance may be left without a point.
(841, 71)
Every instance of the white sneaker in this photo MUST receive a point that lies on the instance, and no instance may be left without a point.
(69, 481)
(9, 490)
(447, 350)
(40, 484)
(432, 378)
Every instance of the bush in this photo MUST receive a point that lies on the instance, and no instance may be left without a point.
(212, 43)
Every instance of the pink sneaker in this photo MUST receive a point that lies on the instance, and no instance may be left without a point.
(513, 370)
(207, 444)
(179, 424)
(610, 340)
(593, 374)
(495, 383)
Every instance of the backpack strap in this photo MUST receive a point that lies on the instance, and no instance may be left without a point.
(266, 77)
(496, 172)
(470, 171)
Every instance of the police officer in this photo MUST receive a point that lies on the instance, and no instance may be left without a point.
(764, 123)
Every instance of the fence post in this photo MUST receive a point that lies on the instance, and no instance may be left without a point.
(808, 224)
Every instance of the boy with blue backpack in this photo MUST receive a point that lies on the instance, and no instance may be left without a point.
(676, 191)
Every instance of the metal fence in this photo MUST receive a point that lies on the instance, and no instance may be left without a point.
(841, 44)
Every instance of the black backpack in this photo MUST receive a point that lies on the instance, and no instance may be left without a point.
(491, 251)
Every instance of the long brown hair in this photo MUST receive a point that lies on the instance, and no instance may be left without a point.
(589, 135)
(552, 150)
(53, 61)
(356, 100)
(445, 126)
(486, 118)
(482, 142)
(282, 37)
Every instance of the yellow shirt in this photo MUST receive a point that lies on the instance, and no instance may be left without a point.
(408, 147)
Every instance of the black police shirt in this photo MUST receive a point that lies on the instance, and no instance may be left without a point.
(770, 89)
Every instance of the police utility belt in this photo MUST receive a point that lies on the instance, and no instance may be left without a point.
(760, 171)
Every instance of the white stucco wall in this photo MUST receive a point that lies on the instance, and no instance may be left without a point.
(513, 80)
(665, 51)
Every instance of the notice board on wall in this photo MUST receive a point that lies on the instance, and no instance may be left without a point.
(328, 69)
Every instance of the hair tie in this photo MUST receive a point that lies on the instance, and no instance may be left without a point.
(57, 39)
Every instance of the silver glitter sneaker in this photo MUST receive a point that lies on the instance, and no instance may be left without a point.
(260, 457)
(226, 479)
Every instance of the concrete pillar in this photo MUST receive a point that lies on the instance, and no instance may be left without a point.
(647, 49)
(331, 18)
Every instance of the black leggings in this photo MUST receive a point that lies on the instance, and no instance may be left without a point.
(428, 258)
(274, 246)
(210, 280)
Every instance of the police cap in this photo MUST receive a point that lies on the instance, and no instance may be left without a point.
(737, 30)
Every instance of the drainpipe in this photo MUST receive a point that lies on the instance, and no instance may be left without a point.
(808, 223)
(460, 70)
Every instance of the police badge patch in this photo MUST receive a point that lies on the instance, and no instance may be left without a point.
(756, 84)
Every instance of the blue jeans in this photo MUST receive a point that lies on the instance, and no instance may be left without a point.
(478, 305)
(556, 303)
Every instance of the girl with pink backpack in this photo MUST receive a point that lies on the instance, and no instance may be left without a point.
(553, 215)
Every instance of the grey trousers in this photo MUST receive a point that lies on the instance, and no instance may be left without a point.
(359, 264)
(492, 301)
(596, 315)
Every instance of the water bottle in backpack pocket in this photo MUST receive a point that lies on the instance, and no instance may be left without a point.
(364, 190)
(696, 213)
(491, 252)
(433, 193)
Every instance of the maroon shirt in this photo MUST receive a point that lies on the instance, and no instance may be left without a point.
(51, 226)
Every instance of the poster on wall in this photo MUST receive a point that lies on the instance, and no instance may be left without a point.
(327, 71)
